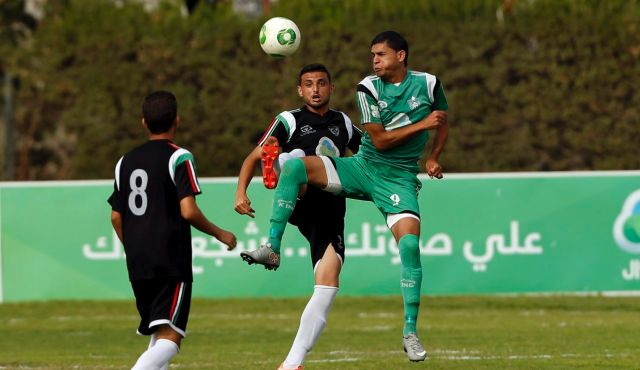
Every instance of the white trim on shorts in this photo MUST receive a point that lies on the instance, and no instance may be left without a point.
(333, 180)
(393, 218)
(165, 321)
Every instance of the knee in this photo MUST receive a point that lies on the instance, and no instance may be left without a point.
(327, 278)
(295, 171)
(294, 166)
(327, 269)
(166, 332)
(409, 249)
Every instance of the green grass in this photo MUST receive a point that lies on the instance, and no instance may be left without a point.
(557, 332)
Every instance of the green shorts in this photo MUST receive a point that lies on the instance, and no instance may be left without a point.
(392, 190)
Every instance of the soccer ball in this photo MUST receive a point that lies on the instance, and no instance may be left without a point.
(279, 37)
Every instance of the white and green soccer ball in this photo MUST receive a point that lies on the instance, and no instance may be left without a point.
(279, 37)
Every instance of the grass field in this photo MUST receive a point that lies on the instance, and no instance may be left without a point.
(557, 332)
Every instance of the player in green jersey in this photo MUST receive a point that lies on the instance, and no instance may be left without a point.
(397, 108)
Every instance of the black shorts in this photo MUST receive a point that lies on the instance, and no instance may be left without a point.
(319, 216)
(162, 302)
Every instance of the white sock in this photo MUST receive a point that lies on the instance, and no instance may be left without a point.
(153, 340)
(312, 322)
(158, 356)
(284, 156)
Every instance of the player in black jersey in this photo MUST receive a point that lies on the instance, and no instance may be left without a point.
(314, 129)
(153, 208)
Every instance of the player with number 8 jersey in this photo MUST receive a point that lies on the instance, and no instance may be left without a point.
(152, 210)
(149, 180)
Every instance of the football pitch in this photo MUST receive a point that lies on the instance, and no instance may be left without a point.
(530, 332)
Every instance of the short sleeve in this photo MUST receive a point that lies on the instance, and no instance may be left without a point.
(439, 99)
(367, 105)
(115, 199)
(279, 128)
(185, 177)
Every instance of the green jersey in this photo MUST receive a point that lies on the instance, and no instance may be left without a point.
(395, 106)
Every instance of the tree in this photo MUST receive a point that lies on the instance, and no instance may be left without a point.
(16, 27)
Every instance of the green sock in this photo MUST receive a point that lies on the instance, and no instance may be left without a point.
(293, 175)
(411, 280)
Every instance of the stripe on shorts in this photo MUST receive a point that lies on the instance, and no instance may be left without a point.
(177, 302)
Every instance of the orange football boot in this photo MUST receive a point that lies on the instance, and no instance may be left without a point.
(269, 155)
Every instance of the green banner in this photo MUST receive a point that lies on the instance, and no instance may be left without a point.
(481, 234)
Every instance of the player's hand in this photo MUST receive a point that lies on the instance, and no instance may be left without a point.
(243, 205)
(436, 119)
(227, 238)
(434, 169)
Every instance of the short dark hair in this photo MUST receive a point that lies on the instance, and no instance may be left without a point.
(159, 110)
(314, 67)
(395, 42)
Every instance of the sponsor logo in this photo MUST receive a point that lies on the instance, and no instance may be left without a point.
(626, 228)
(382, 104)
(626, 233)
(327, 147)
(306, 130)
(404, 283)
(633, 271)
(285, 204)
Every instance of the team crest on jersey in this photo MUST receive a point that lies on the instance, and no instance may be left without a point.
(413, 103)
(335, 130)
(327, 147)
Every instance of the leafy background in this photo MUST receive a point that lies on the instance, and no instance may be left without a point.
(545, 85)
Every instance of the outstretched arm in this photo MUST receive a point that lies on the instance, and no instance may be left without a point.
(191, 212)
(385, 140)
(243, 203)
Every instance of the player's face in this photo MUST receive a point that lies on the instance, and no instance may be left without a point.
(386, 61)
(315, 89)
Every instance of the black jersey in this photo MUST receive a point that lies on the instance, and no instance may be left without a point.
(149, 183)
(328, 135)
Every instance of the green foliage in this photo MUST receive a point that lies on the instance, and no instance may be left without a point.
(544, 85)
(15, 25)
